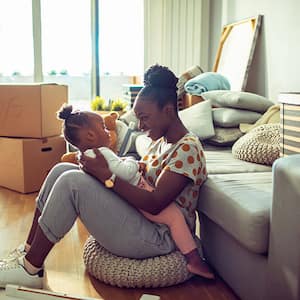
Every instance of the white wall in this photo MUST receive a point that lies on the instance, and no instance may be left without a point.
(276, 63)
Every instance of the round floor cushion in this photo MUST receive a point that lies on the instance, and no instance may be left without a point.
(260, 145)
(153, 272)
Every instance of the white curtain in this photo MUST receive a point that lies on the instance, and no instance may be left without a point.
(176, 33)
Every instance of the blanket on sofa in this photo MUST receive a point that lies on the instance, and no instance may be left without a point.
(207, 81)
(272, 115)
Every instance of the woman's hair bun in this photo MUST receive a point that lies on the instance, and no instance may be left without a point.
(160, 77)
(65, 112)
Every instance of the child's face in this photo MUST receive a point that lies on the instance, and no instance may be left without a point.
(96, 135)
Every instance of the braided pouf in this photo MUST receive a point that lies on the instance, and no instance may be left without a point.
(160, 271)
(260, 145)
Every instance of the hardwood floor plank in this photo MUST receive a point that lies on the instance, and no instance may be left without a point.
(65, 268)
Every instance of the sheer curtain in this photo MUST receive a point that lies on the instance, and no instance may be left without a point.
(176, 33)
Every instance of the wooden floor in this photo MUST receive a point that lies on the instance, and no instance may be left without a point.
(65, 268)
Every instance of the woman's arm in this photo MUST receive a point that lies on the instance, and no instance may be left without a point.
(168, 186)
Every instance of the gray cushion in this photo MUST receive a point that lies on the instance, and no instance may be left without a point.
(198, 119)
(242, 100)
(219, 161)
(232, 117)
(240, 204)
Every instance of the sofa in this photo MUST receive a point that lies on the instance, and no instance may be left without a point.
(249, 224)
(249, 229)
(248, 211)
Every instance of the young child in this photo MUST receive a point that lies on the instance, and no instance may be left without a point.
(86, 130)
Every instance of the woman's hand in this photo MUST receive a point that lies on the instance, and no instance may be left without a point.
(96, 167)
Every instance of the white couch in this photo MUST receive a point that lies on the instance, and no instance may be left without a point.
(249, 225)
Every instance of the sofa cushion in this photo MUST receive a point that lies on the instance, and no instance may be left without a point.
(240, 204)
(236, 99)
(233, 117)
(221, 161)
(198, 119)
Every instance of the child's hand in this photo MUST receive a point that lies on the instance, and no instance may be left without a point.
(142, 167)
(90, 153)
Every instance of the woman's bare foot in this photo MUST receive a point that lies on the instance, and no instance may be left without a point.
(201, 269)
(198, 266)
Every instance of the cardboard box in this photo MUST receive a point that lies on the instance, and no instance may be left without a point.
(24, 162)
(188, 100)
(29, 110)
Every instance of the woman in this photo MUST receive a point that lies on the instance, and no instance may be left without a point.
(175, 167)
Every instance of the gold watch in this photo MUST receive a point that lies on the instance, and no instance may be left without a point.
(110, 182)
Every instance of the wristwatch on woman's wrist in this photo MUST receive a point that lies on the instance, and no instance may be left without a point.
(110, 182)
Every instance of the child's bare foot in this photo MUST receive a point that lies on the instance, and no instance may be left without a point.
(196, 265)
(201, 269)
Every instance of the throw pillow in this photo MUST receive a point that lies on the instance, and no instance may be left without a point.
(225, 136)
(232, 117)
(235, 99)
(198, 119)
(260, 145)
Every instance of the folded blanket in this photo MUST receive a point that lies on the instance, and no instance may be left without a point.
(271, 116)
(184, 77)
(207, 81)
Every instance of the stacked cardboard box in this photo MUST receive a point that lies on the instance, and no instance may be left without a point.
(30, 134)
(188, 100)
(130, 92)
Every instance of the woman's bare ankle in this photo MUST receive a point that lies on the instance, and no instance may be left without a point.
(27, 247)
(197, 266)
(30, 268)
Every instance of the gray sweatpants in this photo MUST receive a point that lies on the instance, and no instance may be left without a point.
(68, 193)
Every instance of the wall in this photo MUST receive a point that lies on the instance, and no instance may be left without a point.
(276, 61)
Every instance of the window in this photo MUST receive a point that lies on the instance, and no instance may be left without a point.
(16, 51)
(121, 37)
(121, 45)
(65, 42)
(66, 45)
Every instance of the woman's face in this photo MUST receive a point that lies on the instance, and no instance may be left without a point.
(152, 120)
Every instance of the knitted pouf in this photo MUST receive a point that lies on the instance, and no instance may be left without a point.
(260, 145)
(160, 271)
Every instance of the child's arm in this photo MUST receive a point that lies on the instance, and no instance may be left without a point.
(127, 169)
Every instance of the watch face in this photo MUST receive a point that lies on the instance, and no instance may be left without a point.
(109, 183)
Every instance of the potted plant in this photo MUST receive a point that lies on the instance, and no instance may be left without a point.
(118, 105)
(99, 105)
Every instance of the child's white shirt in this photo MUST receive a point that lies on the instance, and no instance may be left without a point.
(125, 168)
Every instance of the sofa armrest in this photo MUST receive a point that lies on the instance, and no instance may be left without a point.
(284, 251)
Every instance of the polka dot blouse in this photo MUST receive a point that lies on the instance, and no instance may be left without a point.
(185, 157)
